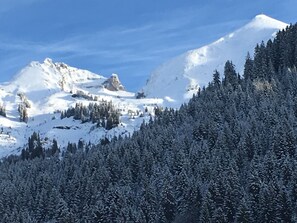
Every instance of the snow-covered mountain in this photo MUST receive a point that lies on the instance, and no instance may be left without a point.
(46, 89)
(177, 80)
(49, 88)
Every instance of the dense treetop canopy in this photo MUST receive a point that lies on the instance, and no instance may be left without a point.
(229, 155)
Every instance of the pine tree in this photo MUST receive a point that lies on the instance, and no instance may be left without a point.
(248, 68)
(244, 213)
(216, 79)
(2, 111)
(23, 113)
(63, 213)
(168, 203)
(230, 74)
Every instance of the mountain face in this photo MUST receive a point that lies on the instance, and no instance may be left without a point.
(228, 155)
(43, 91)
(52, 98)
(177, 80)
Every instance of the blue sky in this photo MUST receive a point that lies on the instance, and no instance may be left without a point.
(128, 37)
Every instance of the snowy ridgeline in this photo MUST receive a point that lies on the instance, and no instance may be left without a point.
(55, 88)
(176, 80)
(229, 155)
(100, 106)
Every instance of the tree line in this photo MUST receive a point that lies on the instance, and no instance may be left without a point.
(229, 155)
(104, 114)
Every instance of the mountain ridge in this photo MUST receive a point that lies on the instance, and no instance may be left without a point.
(194, 68)
(43, 90)
(48, 88)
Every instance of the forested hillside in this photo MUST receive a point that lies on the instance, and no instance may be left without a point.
(229, 155)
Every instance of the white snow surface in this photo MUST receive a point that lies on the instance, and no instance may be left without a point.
(178, 79)
(48, 87)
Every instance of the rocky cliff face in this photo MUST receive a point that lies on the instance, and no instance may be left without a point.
(113, 83)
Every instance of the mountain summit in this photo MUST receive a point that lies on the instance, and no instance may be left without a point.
(262, 21)
(52, 76)
(180, 77)
(58, 101)
(42, 97)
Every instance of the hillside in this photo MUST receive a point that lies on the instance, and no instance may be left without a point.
(47, 89)
(229, 155)
(176, 80)
(42, 91)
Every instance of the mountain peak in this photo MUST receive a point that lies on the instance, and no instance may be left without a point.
(262, 16)
(44, 88)
(48, 61)
(48, 75)
(263, 21)
(181, 77)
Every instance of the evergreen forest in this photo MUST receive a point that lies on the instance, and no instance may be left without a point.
(229, 155)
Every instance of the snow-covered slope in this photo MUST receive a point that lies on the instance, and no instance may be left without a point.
(177, 79)
(49, 89)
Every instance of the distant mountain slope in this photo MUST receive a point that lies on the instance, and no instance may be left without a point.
(180, 77)
(49, 88)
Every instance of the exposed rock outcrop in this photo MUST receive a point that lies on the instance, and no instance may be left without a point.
(113, 83)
